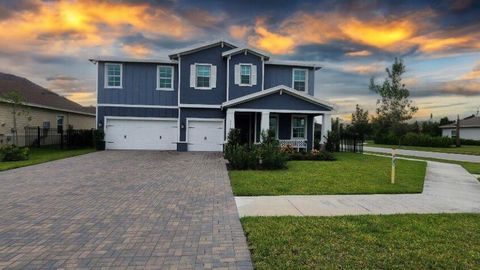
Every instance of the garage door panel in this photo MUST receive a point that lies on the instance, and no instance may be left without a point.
(137, 134)
(205, 135)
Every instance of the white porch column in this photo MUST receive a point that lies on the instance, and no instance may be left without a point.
(264, 123)
(230, 122)
(326, 127)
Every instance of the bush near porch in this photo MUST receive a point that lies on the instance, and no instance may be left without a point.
(350, 174)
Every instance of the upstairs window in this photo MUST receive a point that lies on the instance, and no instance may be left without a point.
(203, 73)
(245, 74)
(299, 124)
(113, 75)
(165, 78)
(300, 79)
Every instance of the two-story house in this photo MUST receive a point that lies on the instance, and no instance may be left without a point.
(190, 101)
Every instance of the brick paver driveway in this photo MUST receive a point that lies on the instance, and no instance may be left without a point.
(121, 209)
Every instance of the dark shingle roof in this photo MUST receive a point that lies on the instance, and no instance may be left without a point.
(36, 95)
(468, 122)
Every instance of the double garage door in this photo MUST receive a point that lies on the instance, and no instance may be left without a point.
(162, 134)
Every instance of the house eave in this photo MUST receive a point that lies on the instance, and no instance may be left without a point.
(245, 50)
(308, 64)
(199, 47)
(97, 59)
(50, 108)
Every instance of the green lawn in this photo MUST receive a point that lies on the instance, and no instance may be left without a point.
(443, 241)
(471, 167)
(349, 174)
(41, 155)
(464, 149)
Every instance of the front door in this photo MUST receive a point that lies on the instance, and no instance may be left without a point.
(244, 122)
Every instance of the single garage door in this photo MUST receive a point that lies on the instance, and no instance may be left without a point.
(205, 135)
(139, 134)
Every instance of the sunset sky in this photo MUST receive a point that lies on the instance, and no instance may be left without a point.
(49, 42)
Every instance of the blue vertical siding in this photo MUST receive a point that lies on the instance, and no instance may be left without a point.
(281, 102)
(139, 81)
(134, 112)
(279, 74)
(216, 95)
(236, 91)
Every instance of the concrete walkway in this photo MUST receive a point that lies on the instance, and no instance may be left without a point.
(425, 154)
(448, 188)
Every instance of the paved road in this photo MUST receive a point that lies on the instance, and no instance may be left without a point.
(121, 209)
(448, 188)
(425, 154)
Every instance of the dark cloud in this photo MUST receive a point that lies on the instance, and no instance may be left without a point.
(61, 78)
(8, 8)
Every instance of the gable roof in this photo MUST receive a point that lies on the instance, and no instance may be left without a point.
(311, 64)
(276, 89)
(105, 58)
(246, 49)
(37, 96)
(469, 122)
(199, 47)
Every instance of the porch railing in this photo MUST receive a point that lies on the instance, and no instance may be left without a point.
(299, 144)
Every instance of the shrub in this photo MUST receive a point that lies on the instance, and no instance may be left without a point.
(469, 142)
(242, 158)
(14, 153)
(414, 139)
(271, 156)
(332, 142)
(313, 155)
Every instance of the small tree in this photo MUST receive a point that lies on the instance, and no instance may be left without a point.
(17, 109)
(360, 125)
(394, 106)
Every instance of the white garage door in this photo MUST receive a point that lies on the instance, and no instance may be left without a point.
(205, 135)
(139, 134)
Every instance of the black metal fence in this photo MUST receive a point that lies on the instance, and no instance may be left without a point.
(70, 138)
(351, 144)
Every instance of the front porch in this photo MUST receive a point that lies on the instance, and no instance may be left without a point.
(292, 128)
(290, 113)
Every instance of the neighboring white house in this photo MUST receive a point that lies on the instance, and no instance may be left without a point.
(469, 128)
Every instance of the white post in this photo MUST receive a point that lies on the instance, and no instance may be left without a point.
(230, 122)
(326, 127)
(265, 122)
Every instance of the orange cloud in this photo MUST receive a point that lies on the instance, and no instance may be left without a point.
(473, 74)
(359, 53)
(239, 31)
(274, 43)
(67, 26)
(365, 69)
(136, 50)
(84, 98)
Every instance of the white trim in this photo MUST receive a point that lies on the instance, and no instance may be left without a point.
(245, 49)
(306, 79)
(228, 77)
(305, 127)
(96, 96)
(209, 80)
(315, 65)
(278, 88)
(179, 77)
(202, 120)
(136, 106)
(280, 111)
(275, 115)
(255, 129)
(313, 132)
(105, 76)
(179, 125)
(263, 74)
(250, 76)
(130, 60)
(200, 47)
(171, 78)
(140, 118)
(200, 106)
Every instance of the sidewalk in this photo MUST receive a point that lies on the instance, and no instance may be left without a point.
(448, 188)
(426, 154)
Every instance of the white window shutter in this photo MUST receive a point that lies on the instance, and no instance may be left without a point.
(192, 75)
(254, 75)
(213, 83)
(237, 74)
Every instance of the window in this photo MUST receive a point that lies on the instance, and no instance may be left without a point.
(164, 78)
(245, 74)
(113, 75)
(274, 124)
(59, 123)
(300, 79)
(204, 73)
(299, 124)
(453, 133)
